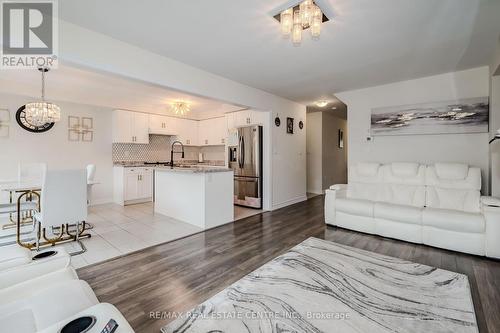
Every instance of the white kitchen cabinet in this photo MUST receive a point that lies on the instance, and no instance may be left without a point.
(187, 131)
(162, 125)
(132, 185)
(212, 132)
(130, 127)
(245, 118)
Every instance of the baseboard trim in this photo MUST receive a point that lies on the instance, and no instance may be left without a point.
(289, 202)
(101, 201)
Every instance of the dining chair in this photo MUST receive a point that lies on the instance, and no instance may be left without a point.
(63, 209)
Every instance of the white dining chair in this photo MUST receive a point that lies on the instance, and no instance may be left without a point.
(90, 181)
(63, 208)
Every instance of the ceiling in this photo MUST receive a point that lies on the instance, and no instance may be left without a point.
(81, 86)
(368, 42)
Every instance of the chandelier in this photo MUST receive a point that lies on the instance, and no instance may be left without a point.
(42, 112)
(180, 108)
(306, 15)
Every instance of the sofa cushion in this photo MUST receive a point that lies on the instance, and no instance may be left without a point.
(403, 184)
(451, 171)
(355, 206)
(453, 220)
(399, 213)
(453, 186)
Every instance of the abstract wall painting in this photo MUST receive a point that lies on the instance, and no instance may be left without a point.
(470, 115)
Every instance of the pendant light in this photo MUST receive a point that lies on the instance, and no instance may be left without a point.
(42, 112)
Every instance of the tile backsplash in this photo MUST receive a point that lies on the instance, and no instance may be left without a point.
(158, 149)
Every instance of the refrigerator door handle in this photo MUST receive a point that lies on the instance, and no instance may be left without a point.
(239, 152)
(242, 152)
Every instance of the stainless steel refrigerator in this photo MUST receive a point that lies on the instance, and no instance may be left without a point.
(245, 159)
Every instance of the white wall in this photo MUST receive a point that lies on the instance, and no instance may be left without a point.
(54, 148)
(287, 170)
(468, 148)
(314, 152)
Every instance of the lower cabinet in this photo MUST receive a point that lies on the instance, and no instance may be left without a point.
(132, 185)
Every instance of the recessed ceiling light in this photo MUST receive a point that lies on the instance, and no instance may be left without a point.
(321, 104)
(334, 108)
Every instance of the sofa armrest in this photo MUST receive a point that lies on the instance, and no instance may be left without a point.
(490, 201)
(491, 211)
(338, 187)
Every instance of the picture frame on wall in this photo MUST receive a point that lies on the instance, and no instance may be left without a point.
(289, 125)
(4, 123)
(341, 139)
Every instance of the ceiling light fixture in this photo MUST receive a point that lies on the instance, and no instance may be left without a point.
(321, 103)
(306, 15)
(181, 108)
(42, 112)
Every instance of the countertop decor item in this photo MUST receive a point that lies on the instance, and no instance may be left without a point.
(42, 112)
(322, 286)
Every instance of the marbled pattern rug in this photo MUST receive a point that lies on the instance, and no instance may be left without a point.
(321, 286)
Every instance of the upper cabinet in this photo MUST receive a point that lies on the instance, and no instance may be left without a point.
(245, 118)
(130, 127)
(135, 127)
(212, 132)
(162, 125)
(187, 131)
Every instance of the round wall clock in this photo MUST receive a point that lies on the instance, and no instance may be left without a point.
(277, 121)
(301, 124)
(21, 120)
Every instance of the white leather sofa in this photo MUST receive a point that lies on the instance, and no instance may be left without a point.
(45, 294)
(439, 205)
(17, 264)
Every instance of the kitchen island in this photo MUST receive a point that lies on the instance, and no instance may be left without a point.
(201, 196)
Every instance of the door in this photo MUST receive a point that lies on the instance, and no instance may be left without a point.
(123, 126)
(247, 192)
(146, 183)
(131, 185)
(249, 151)
(141, 128)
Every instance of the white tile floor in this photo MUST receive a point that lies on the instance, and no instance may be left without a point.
(120, 230)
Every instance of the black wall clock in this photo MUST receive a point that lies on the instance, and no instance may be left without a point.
(21, 120)
(301, 124)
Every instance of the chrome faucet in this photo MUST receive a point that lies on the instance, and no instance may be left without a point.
(172, 152)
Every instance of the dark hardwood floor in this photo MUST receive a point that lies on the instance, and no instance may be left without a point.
(178, 275)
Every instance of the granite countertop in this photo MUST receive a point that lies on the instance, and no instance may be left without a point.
(217, 164)
(193, 169)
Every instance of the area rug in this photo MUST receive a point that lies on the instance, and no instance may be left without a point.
(321, 286)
